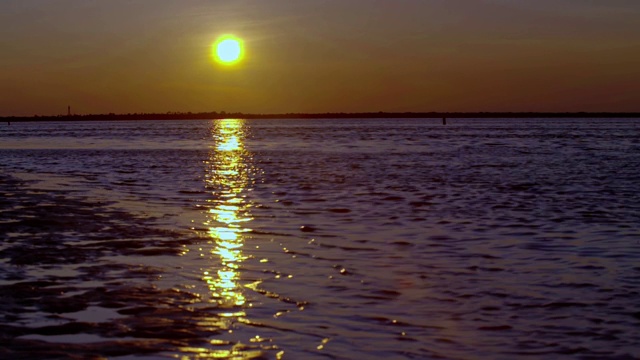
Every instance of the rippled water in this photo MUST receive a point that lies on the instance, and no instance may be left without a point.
(305, 239)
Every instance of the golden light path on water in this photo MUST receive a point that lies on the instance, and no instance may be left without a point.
(228, 213)
(227, 179)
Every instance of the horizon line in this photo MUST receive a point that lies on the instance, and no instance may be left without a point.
(170, 115)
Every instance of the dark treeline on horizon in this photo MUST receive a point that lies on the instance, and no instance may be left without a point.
(341, 115)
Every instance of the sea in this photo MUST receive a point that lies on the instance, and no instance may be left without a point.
(320, 239)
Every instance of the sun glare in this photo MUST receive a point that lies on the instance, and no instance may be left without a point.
(228, 50)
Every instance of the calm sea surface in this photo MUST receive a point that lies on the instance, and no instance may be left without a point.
(320, 239)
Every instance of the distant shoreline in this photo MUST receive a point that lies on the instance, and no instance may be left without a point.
(365, 115)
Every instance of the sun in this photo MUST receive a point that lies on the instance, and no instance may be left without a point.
(228, 50)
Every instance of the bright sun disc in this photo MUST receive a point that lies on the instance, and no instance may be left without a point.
(228, 50)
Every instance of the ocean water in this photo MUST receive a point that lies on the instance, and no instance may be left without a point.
(321, 239)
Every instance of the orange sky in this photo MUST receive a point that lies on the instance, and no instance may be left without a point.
(319, 56)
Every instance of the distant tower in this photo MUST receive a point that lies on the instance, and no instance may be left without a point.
(69, 110)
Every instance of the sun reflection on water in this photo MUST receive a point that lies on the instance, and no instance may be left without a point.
(227, 179)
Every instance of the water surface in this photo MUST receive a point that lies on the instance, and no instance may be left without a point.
(304, 239)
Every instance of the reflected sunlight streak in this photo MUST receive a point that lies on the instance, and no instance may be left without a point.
(227, 178)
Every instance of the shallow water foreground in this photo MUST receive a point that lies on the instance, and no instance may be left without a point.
(305, 239)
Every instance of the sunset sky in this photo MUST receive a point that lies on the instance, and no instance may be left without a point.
(122, 56)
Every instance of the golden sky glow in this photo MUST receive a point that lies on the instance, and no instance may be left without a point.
(317, 56)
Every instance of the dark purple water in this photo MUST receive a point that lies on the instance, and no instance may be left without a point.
(327, 239)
